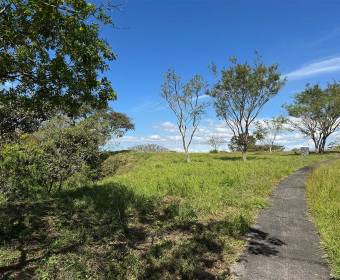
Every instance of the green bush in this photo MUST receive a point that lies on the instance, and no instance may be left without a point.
(61, 154)
(20, 169)
(111, 165)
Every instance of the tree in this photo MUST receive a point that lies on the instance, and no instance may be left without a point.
(316, 113)
(238, 142)
(184, 102)
(215, 142)
(52, 61)
(269, 130)
(241, 93)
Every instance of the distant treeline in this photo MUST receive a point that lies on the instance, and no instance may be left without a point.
(149, 148)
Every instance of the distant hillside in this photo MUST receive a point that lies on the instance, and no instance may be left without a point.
(149, 148)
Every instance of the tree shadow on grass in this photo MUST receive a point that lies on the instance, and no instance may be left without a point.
(66, 223)
(107, 232)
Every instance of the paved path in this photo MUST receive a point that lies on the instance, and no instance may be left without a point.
(284, 244)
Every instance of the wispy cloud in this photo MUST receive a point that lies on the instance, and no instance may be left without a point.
(324, 66)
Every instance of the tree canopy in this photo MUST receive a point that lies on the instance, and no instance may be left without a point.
(241, 93)
(52, 60)
(316, 113)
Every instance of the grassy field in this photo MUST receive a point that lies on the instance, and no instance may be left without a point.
(157, 218)
(323, 193)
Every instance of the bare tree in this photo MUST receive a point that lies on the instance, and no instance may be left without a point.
(269, 130)
(241, 93)
(215, 142)
(184, 102)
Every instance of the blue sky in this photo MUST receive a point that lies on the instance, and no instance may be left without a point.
(303, 37)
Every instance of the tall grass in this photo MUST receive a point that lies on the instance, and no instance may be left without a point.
(157, 218)
(213, 184)
(323, 193)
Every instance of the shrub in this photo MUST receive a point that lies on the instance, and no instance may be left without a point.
(20, 169)
(60, 154)
(111, 165)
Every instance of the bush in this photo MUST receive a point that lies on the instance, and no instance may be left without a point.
(61, 154)
(111, 165)
(20, 170)
(274, 148)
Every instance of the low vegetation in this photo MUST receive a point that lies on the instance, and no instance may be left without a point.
(157, 218)
(324, 202)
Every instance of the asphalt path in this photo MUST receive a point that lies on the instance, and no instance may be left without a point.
(284, 243)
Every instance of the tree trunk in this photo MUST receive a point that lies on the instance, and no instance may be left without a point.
(316, 145)
(244, 155)
(270, 148)
(187, 157)
(322, 145)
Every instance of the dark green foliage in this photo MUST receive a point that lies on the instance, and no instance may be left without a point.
(242, 142)
(16, 117)
(52, 61)
(317, 113)
(21, 170)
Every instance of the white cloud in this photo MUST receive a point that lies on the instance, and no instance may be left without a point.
(168, 126)
(324, 66)
(168, 137)
(155, 137)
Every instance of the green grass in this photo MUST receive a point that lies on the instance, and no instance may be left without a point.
(323, 193)
(157, 218)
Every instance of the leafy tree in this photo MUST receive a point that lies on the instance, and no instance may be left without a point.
(316, 113)
(183, 100)
(238, 142)
(269, 130)
(241, 93)
(52, 61)
(215, 142)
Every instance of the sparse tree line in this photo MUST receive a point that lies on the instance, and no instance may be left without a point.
(241, 92)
